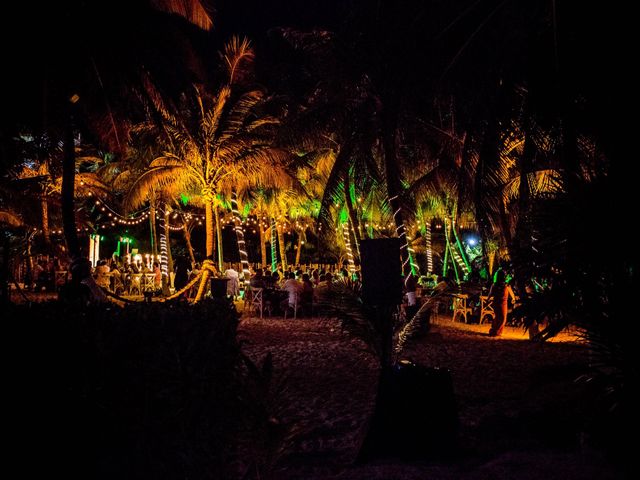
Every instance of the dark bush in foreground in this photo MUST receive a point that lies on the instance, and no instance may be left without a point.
(149, 391)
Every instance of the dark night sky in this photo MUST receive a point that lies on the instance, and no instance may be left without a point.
(457, 46)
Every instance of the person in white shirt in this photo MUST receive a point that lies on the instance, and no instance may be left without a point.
(293, 288)
(233, 285)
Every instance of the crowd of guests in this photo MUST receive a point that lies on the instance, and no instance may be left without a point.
(43, 275)
(289, 289)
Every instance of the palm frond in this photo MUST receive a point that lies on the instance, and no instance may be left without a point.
(211, 119)
(173, 176)
(238, 55)
(419, 324)
(192, 10)
(344, 302)
(10, 218)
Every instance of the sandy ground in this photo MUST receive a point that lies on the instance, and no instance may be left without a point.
(520, 403)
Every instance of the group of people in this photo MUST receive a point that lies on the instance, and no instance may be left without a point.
(295, 288)
(118, 277)
(43, 275)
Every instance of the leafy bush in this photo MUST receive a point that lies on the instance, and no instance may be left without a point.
(148, 391)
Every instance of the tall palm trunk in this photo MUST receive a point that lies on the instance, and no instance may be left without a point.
(245, 274)
(347, 244)
(29, 265)
(263, 245)
(4, 271)
(187, 239)
(283, 251)
(445, 262)
(219, 237)
(353, 216)
(488, 160)
(274, 246)
(164, 260)
(168, 235)
(208, 221)
(45, 221)
(394, 189)
(152, 229)
(522, 238)
(426, 233)
(67, 193)
(299, 248)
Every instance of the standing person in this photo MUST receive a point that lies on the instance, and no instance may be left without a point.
(157, 277)
(293, 288)
(233, 285)
(500, 292)
(181, 269)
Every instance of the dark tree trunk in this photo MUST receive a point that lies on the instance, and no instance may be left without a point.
(68, 192)
(46, 233)
(4, 271)
(187, 239)
(394, 186)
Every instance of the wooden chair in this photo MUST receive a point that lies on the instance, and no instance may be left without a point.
(60, 278)
(295, 307)
(135, 283)
(460, 306)
(256, 299)
(486, 308)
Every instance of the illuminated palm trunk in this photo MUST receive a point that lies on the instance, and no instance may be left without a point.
(208, 220)
(299, 248)
(283, 251)
(167, 233)
(407, 252)
(164, 259)
(347, 244)
(187, 239)
(219, 237)
(426, 233)
(463, 255)
(394, 188)
(242, 247)
(351, 211)
(166, 262)
(152, 228)
(274, 246)
(45, 221)
(263, 245)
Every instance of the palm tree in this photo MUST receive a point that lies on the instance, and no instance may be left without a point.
(79, 81)
(214, 144)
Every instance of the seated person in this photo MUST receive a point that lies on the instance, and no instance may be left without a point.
(256, 280)
(268, 280)
(41, 276)
(102, 274)
(293, 288)
(306, 295)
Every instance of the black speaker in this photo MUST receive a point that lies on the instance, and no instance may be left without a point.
(381, 271)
